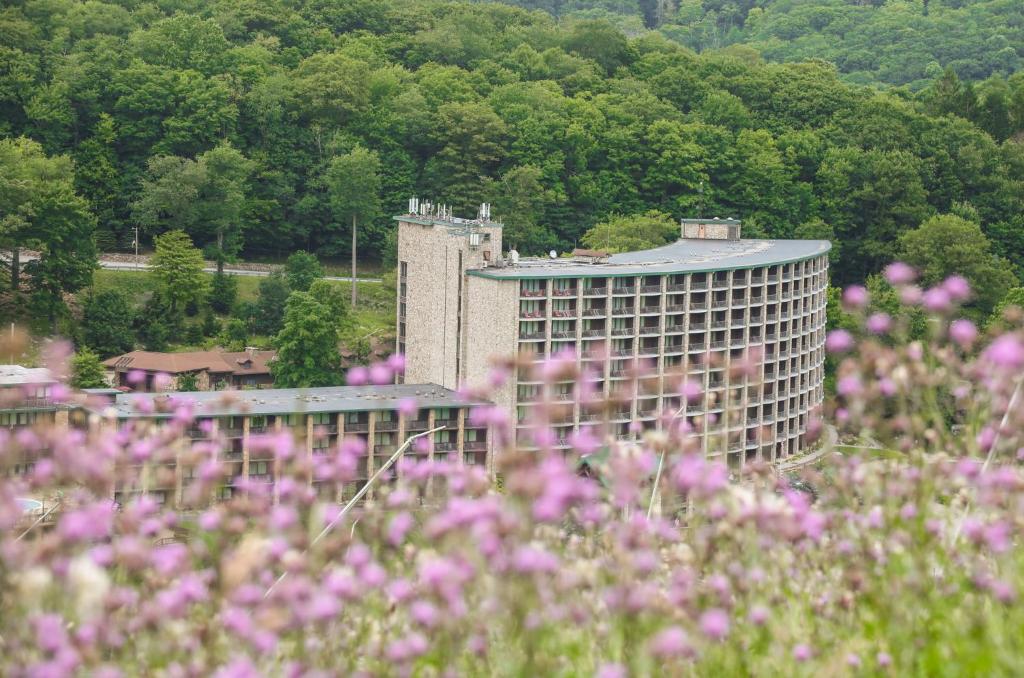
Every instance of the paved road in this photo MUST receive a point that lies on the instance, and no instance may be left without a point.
(126, 265)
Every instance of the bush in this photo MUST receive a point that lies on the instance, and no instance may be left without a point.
(302, 269)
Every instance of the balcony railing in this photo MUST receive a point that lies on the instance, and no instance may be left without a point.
(531, 336)
(571, 292)
(385, 426)
(564, 313)
(532, 314)
(565, 334)
(590, 312)
(357, 427)
(701, 285)
(650, 289)
(447, 423)
(594, 333)
(676, 287)
(622, 331)
(675, 308)
(595, 291)
(698, 306)
(475, 446)
(624, 289)
(532, 293)
(445, 447)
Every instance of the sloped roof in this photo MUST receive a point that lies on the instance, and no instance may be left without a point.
(216, 362)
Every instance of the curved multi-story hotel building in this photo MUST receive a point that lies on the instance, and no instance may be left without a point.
(743, 319)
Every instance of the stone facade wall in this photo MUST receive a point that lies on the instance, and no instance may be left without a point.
(491, 332)
(711, 230)
(437, 256)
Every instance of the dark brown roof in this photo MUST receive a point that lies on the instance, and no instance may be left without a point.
(215, 362)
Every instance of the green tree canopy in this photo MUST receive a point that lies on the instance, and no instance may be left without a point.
(270, 305)
(107, 320)
(307, 345)
(637, 232)
(302, 270)
(87, 371)
(39, 209)
(946, 245)
(178, 270)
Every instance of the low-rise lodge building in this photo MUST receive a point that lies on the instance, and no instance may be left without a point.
(211, 370)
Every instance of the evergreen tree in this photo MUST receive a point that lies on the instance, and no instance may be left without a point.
(307, 346)
(107, 320)
(87, 371)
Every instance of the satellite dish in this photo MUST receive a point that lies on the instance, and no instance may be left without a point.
(553, 254)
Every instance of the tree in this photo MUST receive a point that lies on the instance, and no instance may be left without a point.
(40, 209)
(87, 371)
(307, 346)
(636, 232)
(107, 320)
(519, 199)
(223, 292)
(222, 197)
(236, 334)
(945, 245)
(353, 182)
(178, 268)
(270, 305)
(154, 325)
(302, 269)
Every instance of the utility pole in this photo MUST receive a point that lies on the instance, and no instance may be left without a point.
(136, 248)
(353, 260)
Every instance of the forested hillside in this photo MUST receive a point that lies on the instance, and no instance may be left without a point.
(224, 118)
(881, 42)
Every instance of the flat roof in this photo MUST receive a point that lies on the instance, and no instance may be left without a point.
(688, 255)
(286, 400)
(450, 223)
(17, 375)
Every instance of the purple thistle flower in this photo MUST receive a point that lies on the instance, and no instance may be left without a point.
(838, 341)
(855, 296)
(957, 287)
(963, 332)
(899, 273)
(802, 652)
(714, 624)
(1006, 351)
(357, 376)
(670, 643)
(936, 300)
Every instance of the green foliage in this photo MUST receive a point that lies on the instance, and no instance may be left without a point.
(307, 345)
(637, 232)
(223, 292)
(87, 371)
(236, 334)
(40, 210)
(263, 128)
(1012, 303)
(949, 244)
(353, 184)
(107, 320)
(270, 305)
(188, 382)
(156, 324)
(178, 269)
(301, 270)
(210, 326)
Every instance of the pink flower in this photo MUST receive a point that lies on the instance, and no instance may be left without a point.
(162, 381)
(802, 652)
(714, 624)
(910, 295)
(838, 341)
(671, 642)
(849, 386)
(855, 296)
(957, 287)
(357, 376)
(884, 659)
(396, 363)
(899, 273)
(758, 615)
(963, 332)
(879, 323)
(936, 300)
(380, 374)
(1006, 351)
